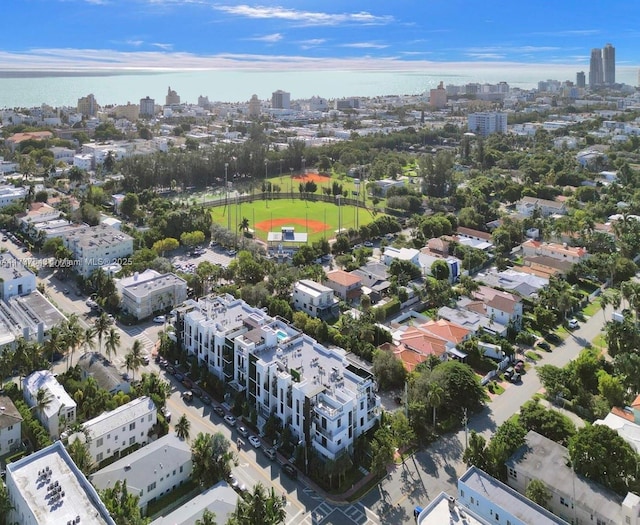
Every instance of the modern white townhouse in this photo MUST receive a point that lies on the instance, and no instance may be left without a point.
(96, 246)
(56, 408)
(315, 299)
(112, 432)
(10, 426)
(325, 400)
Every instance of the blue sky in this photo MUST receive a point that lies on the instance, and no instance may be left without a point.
(332, 34)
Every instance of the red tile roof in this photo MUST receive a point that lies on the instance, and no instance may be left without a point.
(343, 278)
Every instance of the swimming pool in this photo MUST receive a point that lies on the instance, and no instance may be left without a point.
(281, 335)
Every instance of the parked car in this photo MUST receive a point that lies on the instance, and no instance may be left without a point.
(553, 338)
(508, 373)
(255, 441)
(243, 431)
(166, 414)
(368, 244)
(159, 319)
(515, 378)
(178, 376)
(573, 324)
(544, 345)
(270, 453)
(205, 399)
(145, 360)
(290, 470)
(219, 410)
(230, 420)
(187, 396)
(519, 367)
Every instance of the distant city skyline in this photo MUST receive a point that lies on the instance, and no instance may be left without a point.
(91, 35)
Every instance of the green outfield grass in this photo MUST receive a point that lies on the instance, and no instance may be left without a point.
(318, 219)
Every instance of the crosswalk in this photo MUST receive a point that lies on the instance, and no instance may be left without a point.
(354, 514)
(138, 333)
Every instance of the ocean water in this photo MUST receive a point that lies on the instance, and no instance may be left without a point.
(119, 87)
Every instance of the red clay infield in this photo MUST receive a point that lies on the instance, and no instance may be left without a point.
(310, 225)
(312, 177)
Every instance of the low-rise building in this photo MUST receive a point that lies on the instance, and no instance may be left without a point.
(96, 246)
(37, 212)
(347, 286)
(15, 279)
(561, 252)
(626, 422)
(326, 400)
(315, 299)
(112, 432)
(106, 375)
(392, 253)
(573, 498)
(150, 292)
(151, 472)
(11, 194)
(10, 426)
(46, 488)
(527, 206)
(53, 407)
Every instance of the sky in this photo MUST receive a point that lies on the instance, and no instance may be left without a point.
(293, 34)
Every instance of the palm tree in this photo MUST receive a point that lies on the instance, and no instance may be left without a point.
(79, 452)
(244, 225)
(182, 427)
(113, 342)
(434, 398)
(133, 360)
(5, 504)
(42, 401)
(73, 337)
(101, 327)
(208, 518)
(56, 342)
(260, 507)
(88, 339)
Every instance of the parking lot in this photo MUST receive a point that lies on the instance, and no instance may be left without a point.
(188, 263)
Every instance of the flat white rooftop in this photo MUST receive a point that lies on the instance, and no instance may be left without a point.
(48, 504)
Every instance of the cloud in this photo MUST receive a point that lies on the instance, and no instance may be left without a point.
(273, 38)
(304, 17)
(569, 32)
(486, 56)
(135, 43)
(365, 45)
(164, 47)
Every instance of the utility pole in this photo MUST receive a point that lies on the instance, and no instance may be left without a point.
(226, 195)
(465, 421)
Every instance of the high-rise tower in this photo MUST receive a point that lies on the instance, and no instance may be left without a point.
(596, 75)
(580, 79)
(609, 64)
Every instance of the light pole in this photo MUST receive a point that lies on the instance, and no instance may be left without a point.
(291, 183)
(465, 421)
(339, 199)
(226, 195)
(356, 182)
(303, 161)
(266, 170)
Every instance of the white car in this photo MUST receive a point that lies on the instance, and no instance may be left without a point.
(159, 319)
(230, 420)
(255, 441)
(243, 431)
(573, 324)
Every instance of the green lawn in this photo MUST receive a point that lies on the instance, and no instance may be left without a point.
(267, 215)
(592, 308)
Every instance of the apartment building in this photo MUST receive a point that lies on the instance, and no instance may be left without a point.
(15, 279)
(58, 410)
(324, 399)
(487, 123)
(10, 426)
(96, 246)
(11, 194)
(151, 471)
(315, 299)
(573, 498)
(112, 432)
(46, 488)
(150, 292)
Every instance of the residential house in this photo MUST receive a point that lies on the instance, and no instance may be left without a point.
(382, 186)
(427, 259)
(10, 426)
(403, 254)
(15, 278)
(345, 285)
(47, 488)
(106, 375)
(626, 422)
(112, 432)
(475, 235)
(16, 139)
(527, 206)
(472, 321)
(150, 472)
(504, 307)
(10, 194)
(57, 409)
(375, 280)
(546, 266)
(38, 212)
(326, 400)
(523, 283)
(315, 299)
(572, 254)
(150, 292)
(573, 498)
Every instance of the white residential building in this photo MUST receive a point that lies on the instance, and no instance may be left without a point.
(426, 260)
(15, 279)
(59, 404)
(46, 488)
(326, 401)
(96, 246)
(315, 299)
(151, 471)
(112, 432)
(573, 498)
(10, 426)
(486, 123)
(150, 292)
(11, 194)
(403, 254)
(562, 252)
(528, 205)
